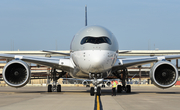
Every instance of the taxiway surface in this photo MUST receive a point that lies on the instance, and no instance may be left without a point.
(78, 98)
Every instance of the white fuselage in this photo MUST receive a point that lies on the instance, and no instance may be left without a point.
(94, 61)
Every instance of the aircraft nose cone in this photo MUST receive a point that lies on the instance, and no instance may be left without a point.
(99, 62)
(98, 58)
(95, 61)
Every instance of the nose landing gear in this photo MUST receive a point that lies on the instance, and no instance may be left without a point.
(96, 89)
(97, 93)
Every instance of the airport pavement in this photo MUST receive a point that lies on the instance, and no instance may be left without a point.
(78, 98)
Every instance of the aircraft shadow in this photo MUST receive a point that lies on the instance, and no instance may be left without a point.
(109, 92)
(103, 92)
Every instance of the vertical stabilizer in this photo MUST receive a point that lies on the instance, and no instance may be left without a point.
(86, 15)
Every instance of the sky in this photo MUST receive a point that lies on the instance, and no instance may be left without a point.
(51, 24)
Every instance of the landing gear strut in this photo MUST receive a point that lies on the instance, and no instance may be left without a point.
(55, 86)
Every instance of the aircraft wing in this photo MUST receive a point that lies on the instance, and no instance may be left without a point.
(53, 52)
(121, 63)
(64, 64)
(148, 52)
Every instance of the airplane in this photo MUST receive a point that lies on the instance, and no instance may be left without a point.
(93, 55)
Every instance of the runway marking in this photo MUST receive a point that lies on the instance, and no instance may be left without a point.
(98, 104)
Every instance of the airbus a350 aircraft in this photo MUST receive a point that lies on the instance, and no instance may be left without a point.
(93, 56)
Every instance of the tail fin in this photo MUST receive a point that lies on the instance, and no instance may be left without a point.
(86, 15)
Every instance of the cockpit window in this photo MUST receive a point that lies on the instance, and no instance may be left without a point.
(95, 40)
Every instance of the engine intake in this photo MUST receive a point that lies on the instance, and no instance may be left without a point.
(164, 74)
(16, 73)
(85, 82)
(108, 83)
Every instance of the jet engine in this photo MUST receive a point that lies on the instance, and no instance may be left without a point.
(85, 82)
(164, 74)
(108, 83)
(16, 73)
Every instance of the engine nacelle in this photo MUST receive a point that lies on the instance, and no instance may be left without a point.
(164, 74)
(85, 82)
(108, 83)
(16, 73)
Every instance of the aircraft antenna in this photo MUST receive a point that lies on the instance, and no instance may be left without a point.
(86, 15)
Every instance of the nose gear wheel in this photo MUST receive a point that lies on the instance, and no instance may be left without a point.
(92, 91)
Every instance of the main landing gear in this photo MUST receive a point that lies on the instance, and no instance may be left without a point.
(127, 88)
(55, 86)
(124, 78)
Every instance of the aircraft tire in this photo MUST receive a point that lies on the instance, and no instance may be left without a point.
(119, 88)
(92, 91)
(87, 85)
(49, 88)
(98, 91)
(128, 89)
(58, 88)
(103, 85)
